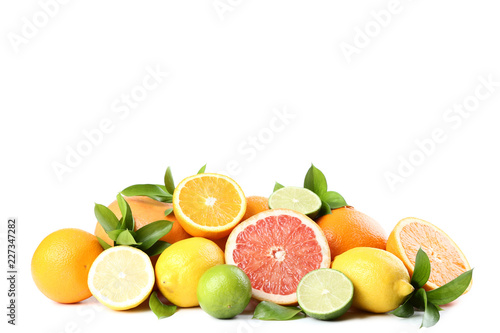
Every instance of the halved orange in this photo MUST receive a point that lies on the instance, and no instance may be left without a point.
(209, 205)
(447, 260)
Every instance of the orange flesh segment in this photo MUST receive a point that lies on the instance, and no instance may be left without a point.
(276, 253)
(446, 262)
(210, 201)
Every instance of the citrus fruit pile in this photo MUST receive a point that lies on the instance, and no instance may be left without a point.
(204, 243)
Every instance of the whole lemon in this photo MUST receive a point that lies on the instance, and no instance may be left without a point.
(381, 281)
(61, 264)
(180, 267)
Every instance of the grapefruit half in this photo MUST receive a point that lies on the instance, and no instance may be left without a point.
(447, 260)
(276, 248)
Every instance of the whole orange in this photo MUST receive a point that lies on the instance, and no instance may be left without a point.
(61, 264)
(146, 210)
(255, 205)
(346, 228)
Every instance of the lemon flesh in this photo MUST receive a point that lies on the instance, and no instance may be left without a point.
(121, 277)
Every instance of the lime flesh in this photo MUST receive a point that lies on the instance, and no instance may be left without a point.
(298, 199)
(325, 294)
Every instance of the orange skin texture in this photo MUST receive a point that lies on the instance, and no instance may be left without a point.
(146, 210)
(346, 228)
(255, 204)
(61, 264)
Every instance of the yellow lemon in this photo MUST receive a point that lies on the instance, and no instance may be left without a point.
(181, 265)
(381, 281)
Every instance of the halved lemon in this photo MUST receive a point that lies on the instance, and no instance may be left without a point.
(121, 277)
(209, 205)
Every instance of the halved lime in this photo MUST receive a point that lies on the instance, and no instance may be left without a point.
(325, 293)
(299, 199)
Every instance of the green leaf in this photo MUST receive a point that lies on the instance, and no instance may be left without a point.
(422, 270)
(159, 309)
(202, 170)
(127, 220)
(106, 218)
(324, 209)
(169, 181)
(150, 233)
(450, 291)
(270, 311)
(126, 238)
(277, 186)
(419, 299)
(155, 192)
(168, 211)
(104, 245)
(315, 181)
(431, 315)
(157, 248)
(405, 310)
(334, 199)
(113, 234)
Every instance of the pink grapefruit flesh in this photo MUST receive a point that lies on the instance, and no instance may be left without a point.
(276, 248)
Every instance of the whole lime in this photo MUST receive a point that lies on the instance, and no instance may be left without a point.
(224, 291)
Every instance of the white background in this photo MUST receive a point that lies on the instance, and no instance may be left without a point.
(229, 74)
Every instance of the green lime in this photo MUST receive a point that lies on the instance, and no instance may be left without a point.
(299, 199)
(325, 293)
(224, 291)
